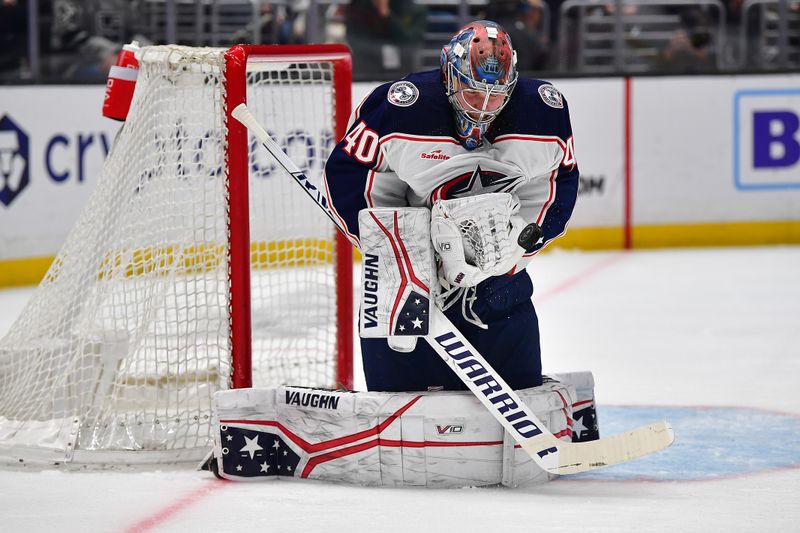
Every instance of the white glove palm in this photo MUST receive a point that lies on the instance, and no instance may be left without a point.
(476, 237)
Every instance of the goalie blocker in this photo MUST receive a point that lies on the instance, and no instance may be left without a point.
(432, 439)
(397, 275)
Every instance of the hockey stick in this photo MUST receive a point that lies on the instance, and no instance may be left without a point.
(549, 452)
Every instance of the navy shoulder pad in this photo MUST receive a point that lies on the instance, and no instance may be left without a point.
(536, 108)
(543, 93)
(416, 104)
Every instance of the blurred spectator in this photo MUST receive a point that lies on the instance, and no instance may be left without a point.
(522, 19)
(385, 35)
(277, 26)
(96, 55)
(69, 25)
(77, 54)
(690, 47)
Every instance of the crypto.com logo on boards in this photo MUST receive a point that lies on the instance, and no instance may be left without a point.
(766, 139)
(14, 156)
(48, 155)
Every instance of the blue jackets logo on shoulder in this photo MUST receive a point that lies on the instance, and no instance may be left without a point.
(551, 96)
(403, 93)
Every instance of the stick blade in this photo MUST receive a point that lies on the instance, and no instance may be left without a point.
(583, 456)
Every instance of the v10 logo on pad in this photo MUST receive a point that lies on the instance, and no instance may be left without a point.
(14, 153)
(766, 139)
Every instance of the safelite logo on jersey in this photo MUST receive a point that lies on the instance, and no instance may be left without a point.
(436, 155)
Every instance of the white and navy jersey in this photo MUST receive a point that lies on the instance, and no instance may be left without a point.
(401, 149)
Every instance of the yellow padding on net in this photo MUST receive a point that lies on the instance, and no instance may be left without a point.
(197, 259)
(159, 260)
(291, 253)
(162, 260)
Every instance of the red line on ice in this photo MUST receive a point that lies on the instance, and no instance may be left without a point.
(187, 500)
(584, 274)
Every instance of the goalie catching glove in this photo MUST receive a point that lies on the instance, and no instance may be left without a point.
(476, 237)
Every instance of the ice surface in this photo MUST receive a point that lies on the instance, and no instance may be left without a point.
(708, 338)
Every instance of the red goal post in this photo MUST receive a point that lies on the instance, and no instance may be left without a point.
(236, 59)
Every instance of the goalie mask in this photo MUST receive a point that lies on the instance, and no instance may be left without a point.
(479, 72)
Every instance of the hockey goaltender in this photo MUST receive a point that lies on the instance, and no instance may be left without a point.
(449, 182)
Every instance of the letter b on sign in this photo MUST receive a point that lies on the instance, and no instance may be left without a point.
(775, 139)
(766, 139)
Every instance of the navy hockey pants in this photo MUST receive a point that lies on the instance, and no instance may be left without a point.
(510, 345)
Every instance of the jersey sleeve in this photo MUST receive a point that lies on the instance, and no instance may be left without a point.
(549, 199)
(357, 172)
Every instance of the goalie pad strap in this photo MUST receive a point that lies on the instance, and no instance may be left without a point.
(584, 412)
(436, 439)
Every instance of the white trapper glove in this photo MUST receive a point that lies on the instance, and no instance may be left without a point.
(476, 237)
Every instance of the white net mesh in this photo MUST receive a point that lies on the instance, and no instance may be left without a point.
(299, 337)
(128, 336)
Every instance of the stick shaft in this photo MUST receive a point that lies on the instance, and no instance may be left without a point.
(243, 115)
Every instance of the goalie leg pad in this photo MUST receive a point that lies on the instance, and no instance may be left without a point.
(434, 439)
(584, 410)
(397, 274)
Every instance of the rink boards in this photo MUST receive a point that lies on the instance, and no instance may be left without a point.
(665, 161)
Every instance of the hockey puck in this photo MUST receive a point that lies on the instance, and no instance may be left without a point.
(529, 235)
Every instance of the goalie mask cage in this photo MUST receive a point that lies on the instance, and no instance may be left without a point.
(197, 265)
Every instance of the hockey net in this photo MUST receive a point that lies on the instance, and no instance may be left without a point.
(196, 266)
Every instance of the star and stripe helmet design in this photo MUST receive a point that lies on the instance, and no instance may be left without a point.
(479, 72)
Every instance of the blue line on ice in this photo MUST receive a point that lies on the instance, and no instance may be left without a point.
(710, 443)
